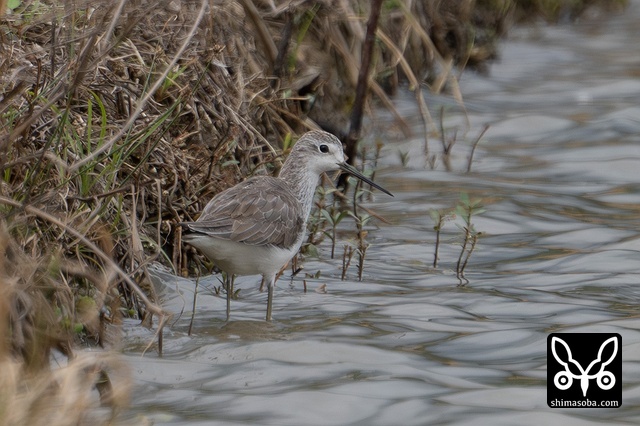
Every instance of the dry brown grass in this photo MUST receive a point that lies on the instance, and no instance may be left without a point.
(66, 395)
(40, 316)
(120, 119)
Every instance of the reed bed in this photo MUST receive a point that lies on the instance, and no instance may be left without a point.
(120, 119)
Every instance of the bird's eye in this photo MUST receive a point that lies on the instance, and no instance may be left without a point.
(323, 148)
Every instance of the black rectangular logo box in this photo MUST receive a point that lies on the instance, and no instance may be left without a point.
(584, 370)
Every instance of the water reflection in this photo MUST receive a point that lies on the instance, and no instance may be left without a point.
(557, 171)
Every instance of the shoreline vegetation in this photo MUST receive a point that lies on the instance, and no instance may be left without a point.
(120, 119)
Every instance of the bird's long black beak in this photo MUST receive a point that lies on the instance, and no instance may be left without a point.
(354, 172)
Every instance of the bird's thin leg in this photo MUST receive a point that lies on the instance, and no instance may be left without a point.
(230, 280)
(271, 283)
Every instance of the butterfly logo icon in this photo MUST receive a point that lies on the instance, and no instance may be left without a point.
(564, 379)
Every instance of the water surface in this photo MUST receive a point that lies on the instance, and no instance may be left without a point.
(558, 172)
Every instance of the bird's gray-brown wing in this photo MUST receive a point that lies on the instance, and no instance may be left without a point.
(258, 211)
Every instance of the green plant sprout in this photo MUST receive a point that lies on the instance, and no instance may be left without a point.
(404, 157)
(439, 217)
(466, 209)
(333, 217)
(346, 260)
(318, 220)
(361, 220)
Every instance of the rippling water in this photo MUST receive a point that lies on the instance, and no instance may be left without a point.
(558, 172)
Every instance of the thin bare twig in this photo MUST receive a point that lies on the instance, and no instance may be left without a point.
(475, 144)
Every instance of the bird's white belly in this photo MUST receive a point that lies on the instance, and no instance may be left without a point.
(242, 259)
